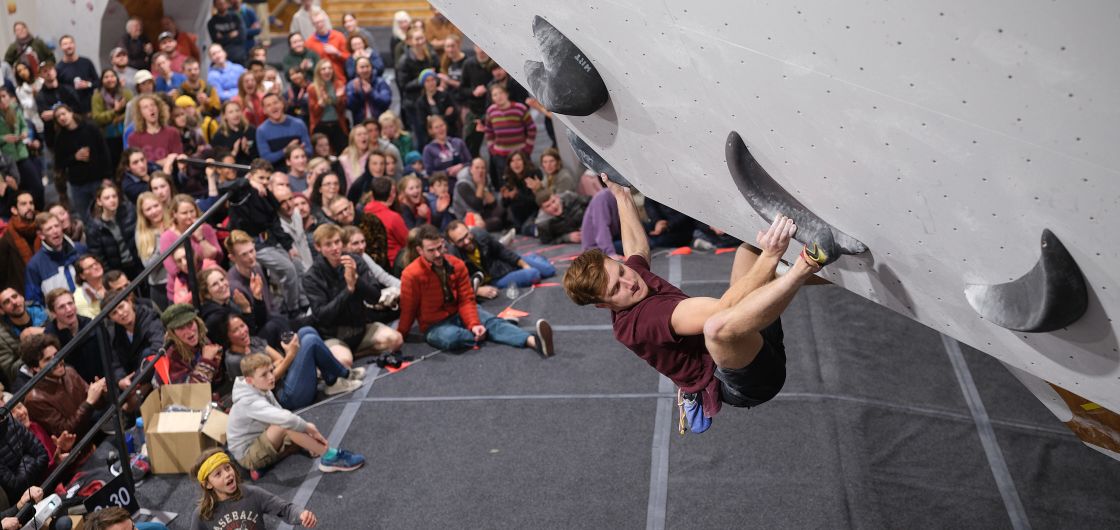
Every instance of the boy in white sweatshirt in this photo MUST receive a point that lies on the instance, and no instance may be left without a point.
(260, 432)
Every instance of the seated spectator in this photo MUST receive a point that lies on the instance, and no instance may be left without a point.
(601, 227)
(324, 190)
(260, 432)
(354, 242)
(343, 290)
(291, 220)
(72, 227)
(135, 333)
(556, 178)
(392, 130)
(326, 100)
(340, 211)
(667, 227)
(360, 48)
(414, 165)
(199, 88)
(294, 370)
(321, 149)
(227, 30)
(20, 241)
(436, 292)
(145, 84)
(376, 141)
(108, 107)
(414, 206)
(62, 402)
(109, 231)
(187, 41)
(53, 265)
(185, 121)
(295, 97)
(135, 173)
(184, 213)
(160, 142)
(224, 74)
(439, 200)
(91, 292)
(178, 284)
(86, 357)
(497, 264)
(167, 79)
(561, 216)
(169, 46)
(709, 237)
(24, 461)
(444, 153)
(434, 101)
(301, 204)
(279, 131)
(153, 220)
(473, 196)
(518, 198)
(296, 160)
(56, 448)
(191, 356)
(79, 151)
(359, 190)
(116, 518)
(589, 183)
(235, 133)
(18, 317)
(251, 97)
(299, 57)
(353, 159)
(383, 197)
(367, 94)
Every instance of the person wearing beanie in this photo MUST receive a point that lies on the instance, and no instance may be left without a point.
(192, 358)
(434, 102)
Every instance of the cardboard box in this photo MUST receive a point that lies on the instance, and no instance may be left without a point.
(176, 439)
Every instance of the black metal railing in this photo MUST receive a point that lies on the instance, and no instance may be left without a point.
(116, 398)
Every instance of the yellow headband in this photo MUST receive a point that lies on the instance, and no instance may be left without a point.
(210, 465)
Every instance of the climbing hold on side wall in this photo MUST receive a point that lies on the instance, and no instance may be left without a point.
(1051, 296)
(769, 199)
(566, 82)
(591, 159)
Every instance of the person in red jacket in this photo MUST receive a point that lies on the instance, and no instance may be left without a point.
(329, 43)
(436, 291)
(384, 194)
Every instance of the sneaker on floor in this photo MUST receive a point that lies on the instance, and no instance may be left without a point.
(507, 237)
(545, 346)
(343, 461)
(342, 386)
(702, 244)
(357, 373)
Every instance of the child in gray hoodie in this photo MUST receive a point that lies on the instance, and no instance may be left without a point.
(260, 432)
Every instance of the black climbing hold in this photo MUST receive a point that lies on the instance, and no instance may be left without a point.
(566, 82)
(591, 159)
(769, 199)
(1051, 296)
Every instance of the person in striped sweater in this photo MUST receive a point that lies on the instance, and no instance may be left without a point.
(509, 128)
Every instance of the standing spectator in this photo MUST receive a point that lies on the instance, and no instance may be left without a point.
(418, 57)
(161, 144)
(476, 77)
(444, 153)
(451, 65)
(438, 29)
(62, 402)
(19, 242)
(118, 59)
(327, 105)
(12, 308)
(228, 30)
(200, 89)
(71, 227)
(350, 26)
(498, 265)
(136, 43)
(50, 94)
(27, 93)
(168, 80)
(82, 156)
(152, 220)
(77, 72)
(367, 95)
(328, 43)
(299, 57)
(13, 133)
(251, 97)
(86, 356)
(170, 47)
(402, 22)
(384, 196)
(223, 74)
(136, 332)
(29, 457)
(184, 212)
(509, 129)
(279, 131)
(344, 291)
(186, 41)
(435, 102)
(296, 98)
(109, 230)
(303, 21)
(109, 104)
(27, 48)
(436, 292)
(135, 173)
(474, 197)
(236, 134)
(359, 47)
(249, 20)
(561, 217)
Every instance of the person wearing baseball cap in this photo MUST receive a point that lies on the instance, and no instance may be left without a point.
(169, 45)
(118, 58)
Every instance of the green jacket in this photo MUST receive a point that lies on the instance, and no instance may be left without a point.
(111, 121)
(37, 44)
(15, 151)
(9, 358)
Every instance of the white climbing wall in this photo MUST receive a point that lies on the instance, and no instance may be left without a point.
(944, 135)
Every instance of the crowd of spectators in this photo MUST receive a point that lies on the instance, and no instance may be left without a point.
(331, 246)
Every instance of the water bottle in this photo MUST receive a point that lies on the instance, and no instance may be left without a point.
(138, 436)
(512, 292)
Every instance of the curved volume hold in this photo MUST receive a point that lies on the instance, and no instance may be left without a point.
(566, 82)
(591, 159)
(769, 199)
(1051, 296)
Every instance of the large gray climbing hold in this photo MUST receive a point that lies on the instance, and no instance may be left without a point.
(591, 159)
(1051, 296)
(769, 199)
(566, 82)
